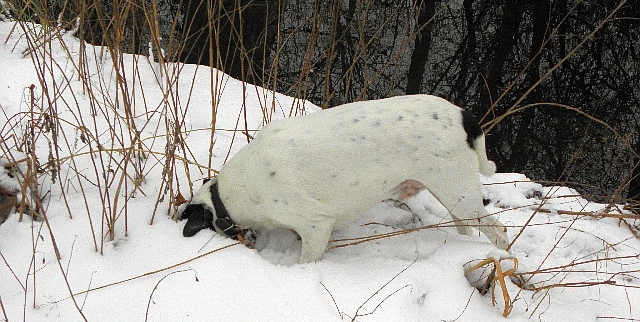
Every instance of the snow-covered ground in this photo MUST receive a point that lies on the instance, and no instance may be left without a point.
(581, 268)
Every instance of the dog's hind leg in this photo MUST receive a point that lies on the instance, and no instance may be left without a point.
(471, 210)
(409, 188)
(494, 230)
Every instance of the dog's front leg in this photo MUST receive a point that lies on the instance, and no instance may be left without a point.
(461, 225)
(315, 239)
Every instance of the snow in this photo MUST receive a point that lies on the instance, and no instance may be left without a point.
(586, 268)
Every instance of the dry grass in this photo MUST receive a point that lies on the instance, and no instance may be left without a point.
(111, 133)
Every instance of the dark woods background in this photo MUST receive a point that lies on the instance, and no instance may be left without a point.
(556, 84)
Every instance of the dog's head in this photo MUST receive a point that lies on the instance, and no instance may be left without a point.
(207, 211)
(200, 211)
(198, 218)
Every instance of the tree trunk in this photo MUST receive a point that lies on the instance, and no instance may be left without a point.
(421, 48)
(503, 46)
(634, 185)
(468, 59)
(524, 138)
(234, 36)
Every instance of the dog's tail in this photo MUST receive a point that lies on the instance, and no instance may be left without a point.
(487, 167)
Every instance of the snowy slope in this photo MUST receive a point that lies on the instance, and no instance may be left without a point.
(587, 267)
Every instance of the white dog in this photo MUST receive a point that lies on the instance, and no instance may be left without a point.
(319, 172)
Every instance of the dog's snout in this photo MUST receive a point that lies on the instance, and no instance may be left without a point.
(198, 218)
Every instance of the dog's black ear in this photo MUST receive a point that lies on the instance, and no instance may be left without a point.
(186, 213)
(199, 218)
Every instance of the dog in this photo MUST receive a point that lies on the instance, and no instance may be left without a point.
(319, 172)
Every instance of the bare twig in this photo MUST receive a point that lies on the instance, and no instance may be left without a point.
(358, 314)
(146, 313)
(154, 272)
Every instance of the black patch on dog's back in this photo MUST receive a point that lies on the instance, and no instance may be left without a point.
(471, 127)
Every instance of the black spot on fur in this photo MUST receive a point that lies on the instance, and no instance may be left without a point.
(472, 128)
(435, 116)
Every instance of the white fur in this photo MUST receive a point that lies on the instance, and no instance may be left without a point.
(319, 172)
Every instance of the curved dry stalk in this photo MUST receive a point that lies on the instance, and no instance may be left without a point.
(146, 313)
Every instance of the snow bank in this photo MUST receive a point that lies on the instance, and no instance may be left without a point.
(582, 268)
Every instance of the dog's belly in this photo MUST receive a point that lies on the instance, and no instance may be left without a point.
(338, 163)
